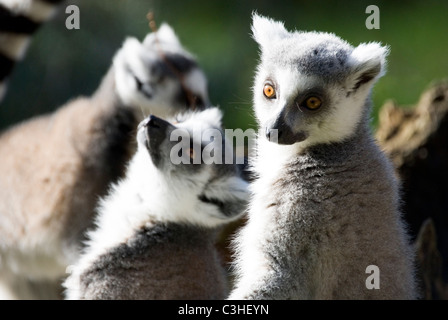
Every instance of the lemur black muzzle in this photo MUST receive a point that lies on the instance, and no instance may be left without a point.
(156, 130)
(280, 132)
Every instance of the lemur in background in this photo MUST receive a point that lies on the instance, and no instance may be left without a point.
(325, 205)
(54, 168)
(156, 230)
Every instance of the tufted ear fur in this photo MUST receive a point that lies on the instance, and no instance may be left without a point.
(368, 62)
(265, 30)
(165, 34)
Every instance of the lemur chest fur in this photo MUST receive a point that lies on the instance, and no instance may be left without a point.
(310, 188)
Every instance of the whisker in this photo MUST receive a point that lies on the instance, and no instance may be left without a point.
(143, 111)
(239, 102)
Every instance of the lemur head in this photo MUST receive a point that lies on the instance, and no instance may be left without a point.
(311, 87)
(159, 75)
(172, 159)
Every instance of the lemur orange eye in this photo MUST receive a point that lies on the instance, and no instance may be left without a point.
(313, 103)
(269, 91)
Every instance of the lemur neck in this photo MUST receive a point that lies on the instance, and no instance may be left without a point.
(147, 193)
(359, 140)
(141, 201)
(107, 92)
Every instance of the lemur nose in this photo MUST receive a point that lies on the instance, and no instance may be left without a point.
(151, 121)
(154, 122)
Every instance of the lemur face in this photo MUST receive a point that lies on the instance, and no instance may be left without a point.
(311, 87)
(178, 150)
(159, 76)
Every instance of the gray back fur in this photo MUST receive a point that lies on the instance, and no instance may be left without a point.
(191, 268)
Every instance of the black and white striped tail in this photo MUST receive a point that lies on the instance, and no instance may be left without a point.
(19, 19)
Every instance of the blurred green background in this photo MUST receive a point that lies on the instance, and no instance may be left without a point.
(62, 64)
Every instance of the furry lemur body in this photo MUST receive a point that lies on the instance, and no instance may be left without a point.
(156, 230)
(326, 202)
(54, 168)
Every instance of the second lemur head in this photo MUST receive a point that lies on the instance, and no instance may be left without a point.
(183, 162)
(312, 87)
(159, 76)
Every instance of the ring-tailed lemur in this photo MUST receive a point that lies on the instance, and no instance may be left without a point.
(19, 19)
(53, 168)
(325, 206)
(156, 229)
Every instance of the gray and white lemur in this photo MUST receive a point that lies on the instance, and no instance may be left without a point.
(53, 168)
(326, 203)
(156, 229)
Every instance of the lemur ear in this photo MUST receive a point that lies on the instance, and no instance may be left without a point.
(368, 62)
(265, 30)
(165, 34)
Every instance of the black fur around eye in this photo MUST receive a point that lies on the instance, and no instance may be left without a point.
(311, 103)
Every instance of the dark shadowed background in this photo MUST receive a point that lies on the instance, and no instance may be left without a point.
(62, 64)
